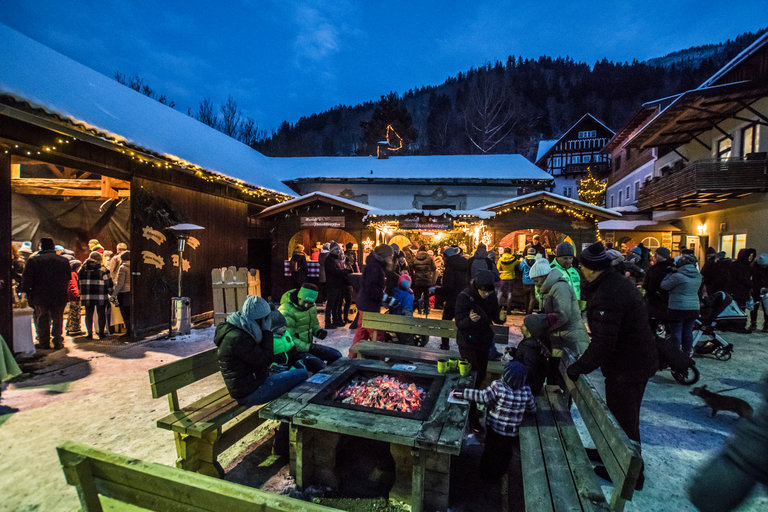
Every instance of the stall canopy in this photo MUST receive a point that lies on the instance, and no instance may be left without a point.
(548, 199)
(311, 198)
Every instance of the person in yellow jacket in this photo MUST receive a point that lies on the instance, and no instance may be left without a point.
(506, 266)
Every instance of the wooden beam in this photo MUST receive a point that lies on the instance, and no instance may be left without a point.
(69, 188)
(6, 300)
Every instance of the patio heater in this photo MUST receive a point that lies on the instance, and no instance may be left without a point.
(181, 307)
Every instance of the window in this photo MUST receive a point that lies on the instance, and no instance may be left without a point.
(651, 242)
(724, 148)
(637, 188)
(629, 154)
(732, 244)
(748, 140)
(586, 159)
(586, 134)
(576, 159)
(612, 201)
(556, 162)
(568, 191)
(627, 194)
(617, 163)
(620, 192)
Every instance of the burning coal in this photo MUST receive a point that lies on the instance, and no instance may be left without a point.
(383, 392)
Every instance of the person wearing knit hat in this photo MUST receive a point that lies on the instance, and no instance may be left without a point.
(508, 399)
(622, 344)
(563, 262)
(96, 286)
(298, 266)
(45, 280)
(94, 245)
(298, 308)
(656, 297)
(477, 309)
(529, 290)
(404, 297)
(371, 294)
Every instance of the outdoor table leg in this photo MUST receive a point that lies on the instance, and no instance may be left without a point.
(417, 486)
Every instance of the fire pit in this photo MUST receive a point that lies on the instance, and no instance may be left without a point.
(403, 405)
(394, 393)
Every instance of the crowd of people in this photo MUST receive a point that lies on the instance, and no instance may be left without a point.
(53, 281)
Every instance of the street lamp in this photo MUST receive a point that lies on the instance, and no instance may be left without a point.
(181, 309)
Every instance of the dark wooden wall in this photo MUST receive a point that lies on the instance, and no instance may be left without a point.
(581, 231)
(6, 315)
(222, 243)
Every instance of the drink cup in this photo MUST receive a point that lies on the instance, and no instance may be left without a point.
(442, 366)
(453, 365)
(464, 367)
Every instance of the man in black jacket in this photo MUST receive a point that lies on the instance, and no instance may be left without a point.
(335, 281)
(455, 279)
(622, 344)
(46, 278)
(655, 295)
(477, 309)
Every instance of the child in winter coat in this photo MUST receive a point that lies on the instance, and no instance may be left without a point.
(284, 349)
(508, 399)
(300, 312)
(528, 287)
(73, 296)
(403, 305)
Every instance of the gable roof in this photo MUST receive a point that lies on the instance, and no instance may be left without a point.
(542, 195)
(310, 198)
(427, 167)
(570, 130)
(38, 76)
(544, 146)
(744, 55)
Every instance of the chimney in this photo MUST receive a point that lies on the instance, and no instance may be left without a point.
(382, 149)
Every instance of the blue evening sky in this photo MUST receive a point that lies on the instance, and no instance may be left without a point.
(284, 59)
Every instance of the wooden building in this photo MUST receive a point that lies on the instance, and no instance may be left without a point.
(96, 159)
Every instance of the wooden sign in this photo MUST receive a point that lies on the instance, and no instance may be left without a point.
(426, 223)
(152, 234)
(153, 259)
(323, 222)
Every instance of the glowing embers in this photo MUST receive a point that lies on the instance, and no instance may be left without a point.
(383, 392)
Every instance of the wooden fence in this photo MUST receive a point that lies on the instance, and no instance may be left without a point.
(231, 286)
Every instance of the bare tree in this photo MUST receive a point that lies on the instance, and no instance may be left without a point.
(489, 113)
(230, 117)
(205, 113)
(248, 133)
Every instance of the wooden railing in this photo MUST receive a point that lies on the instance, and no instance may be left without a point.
(704, 181)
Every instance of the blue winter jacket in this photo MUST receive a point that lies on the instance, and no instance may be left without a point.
(404, 304)
(683, 287)
(526, 269)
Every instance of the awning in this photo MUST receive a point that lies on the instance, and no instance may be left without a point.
(311, 198)
(543, 196)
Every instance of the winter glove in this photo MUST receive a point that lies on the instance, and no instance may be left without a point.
(321, 334)
(388, 301)
(572, 373)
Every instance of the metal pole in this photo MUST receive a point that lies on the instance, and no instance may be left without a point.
(180, 261)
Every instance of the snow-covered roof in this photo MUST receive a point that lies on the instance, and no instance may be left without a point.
(35, 74)
(314, 196)
(544, 146)
(635, 225)
(478, 213)
(543, 195)
(472, 167)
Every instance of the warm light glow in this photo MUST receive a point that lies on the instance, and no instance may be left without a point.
(702, 229)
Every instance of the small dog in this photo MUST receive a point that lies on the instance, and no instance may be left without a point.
(723, 402)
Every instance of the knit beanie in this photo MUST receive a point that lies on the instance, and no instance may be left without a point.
(721, 255)
(308, 292)
(564, 249)
(96, 256)
(404, 277)
(637, 251)
(278, 320)
(484, 280)
(46, 244)
(537, 325)
(451, 251)
(664, 252)
(762, 259)
(530, 253)
(384, 251)
(686, 259)
(540, 268)
(125, 256)
(710, 250)
(594, 257)
(514, 374)
(395, 248)
(75, 264)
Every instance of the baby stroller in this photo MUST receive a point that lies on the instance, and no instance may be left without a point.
(719, 307)
(682, 367)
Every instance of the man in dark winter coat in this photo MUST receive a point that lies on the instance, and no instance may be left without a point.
(707, 270)
(455, 279)
(245, 352)
(655, 296)
(335, 281)
(759, 288)
(480, 261)
(423, 268)
(46, 278)
(740, 282)
(477, 309)
(372, 286)
(622, 345)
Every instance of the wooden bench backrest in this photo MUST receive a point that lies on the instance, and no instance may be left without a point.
(423, 326)
(620, 454)
(168, 378)
(112, 481)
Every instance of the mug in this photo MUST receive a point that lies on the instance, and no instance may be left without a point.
(453, 364)
(464, 367)
(442, 366)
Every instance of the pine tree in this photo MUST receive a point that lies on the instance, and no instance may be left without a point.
(591, 189)
(389, 112)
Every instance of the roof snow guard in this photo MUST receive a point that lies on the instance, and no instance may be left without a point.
(44, 87)
(311, 198)
(553, 201)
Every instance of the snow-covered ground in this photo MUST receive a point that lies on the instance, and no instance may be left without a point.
(97, 393)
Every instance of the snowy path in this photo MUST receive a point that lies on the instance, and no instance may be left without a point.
(103, 399)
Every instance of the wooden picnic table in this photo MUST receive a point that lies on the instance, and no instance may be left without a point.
(422, 450)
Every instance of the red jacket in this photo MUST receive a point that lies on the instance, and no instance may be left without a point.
(73, 288)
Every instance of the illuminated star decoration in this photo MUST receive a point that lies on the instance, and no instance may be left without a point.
(391, 131)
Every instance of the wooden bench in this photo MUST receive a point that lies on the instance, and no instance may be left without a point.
(108, 481)
(423, 326)
(206, 427)
(557, 474)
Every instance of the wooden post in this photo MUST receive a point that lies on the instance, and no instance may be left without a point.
(417, 484)
(6, 299)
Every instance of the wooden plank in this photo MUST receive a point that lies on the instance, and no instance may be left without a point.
(184, 379)
(456, 418)
(417, 485)
(179, 420)
(564, 495)
(181, 366)
(159, 487)
(536, 489)
(587, 484)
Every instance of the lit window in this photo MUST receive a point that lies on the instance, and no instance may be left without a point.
(748, 140)
(739, 244)
(726, 245)
(724, 148)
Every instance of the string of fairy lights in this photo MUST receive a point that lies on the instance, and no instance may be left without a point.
(62, 143)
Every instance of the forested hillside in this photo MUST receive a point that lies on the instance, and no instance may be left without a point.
(505, 107)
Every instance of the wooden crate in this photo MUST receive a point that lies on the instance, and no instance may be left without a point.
(231, 286)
